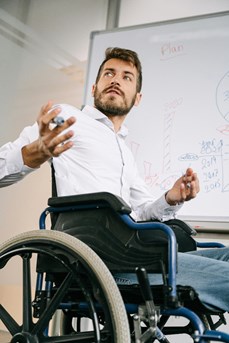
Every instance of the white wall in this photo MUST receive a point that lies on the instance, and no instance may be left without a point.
(135, 12)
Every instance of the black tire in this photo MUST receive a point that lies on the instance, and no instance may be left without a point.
(71, 253)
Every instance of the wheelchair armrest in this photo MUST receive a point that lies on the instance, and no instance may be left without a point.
(183, 225)
(100, 199)
(209, 245)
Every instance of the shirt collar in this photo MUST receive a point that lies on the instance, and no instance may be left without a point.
(97, 115)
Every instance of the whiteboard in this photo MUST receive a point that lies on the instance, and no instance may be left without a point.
(183, 118)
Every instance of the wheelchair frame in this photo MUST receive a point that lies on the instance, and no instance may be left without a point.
(47, 301)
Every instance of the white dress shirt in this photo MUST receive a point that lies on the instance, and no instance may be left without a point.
(98, 161)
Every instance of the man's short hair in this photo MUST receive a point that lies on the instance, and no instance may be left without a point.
(124, 55)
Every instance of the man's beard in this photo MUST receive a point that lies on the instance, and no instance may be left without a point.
(109, 108)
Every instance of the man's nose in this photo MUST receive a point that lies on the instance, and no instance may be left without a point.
(115, 81)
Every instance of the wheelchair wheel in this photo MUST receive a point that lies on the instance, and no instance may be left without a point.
(83, 287)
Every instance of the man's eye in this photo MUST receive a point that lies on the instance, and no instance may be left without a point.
(108, 73)
(128, 78)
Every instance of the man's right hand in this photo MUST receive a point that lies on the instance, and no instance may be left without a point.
(50, 143)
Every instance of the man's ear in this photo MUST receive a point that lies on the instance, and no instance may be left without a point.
(93, 90)
(137, 99)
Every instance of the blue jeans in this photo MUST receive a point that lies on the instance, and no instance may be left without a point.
(206, 270)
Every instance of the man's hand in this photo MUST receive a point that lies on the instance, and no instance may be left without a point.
(184, 189)
(51, 143)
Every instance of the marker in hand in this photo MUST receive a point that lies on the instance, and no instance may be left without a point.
(188, 185)
(58, 121)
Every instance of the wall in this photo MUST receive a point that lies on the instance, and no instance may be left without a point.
(135, 12)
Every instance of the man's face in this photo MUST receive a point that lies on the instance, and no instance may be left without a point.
(115, 93)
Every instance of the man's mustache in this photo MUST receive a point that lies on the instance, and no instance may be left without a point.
(113, 88)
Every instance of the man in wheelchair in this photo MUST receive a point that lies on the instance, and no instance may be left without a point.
(89, 155)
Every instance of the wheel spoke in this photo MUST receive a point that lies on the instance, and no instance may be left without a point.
(8, 321)
(89, 299)
(80, 337)
(27, 308)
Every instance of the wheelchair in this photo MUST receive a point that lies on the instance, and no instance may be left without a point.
(75, 297)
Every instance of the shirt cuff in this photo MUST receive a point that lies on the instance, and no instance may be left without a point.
(15, 163)
(159, 210)
(167, 211)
